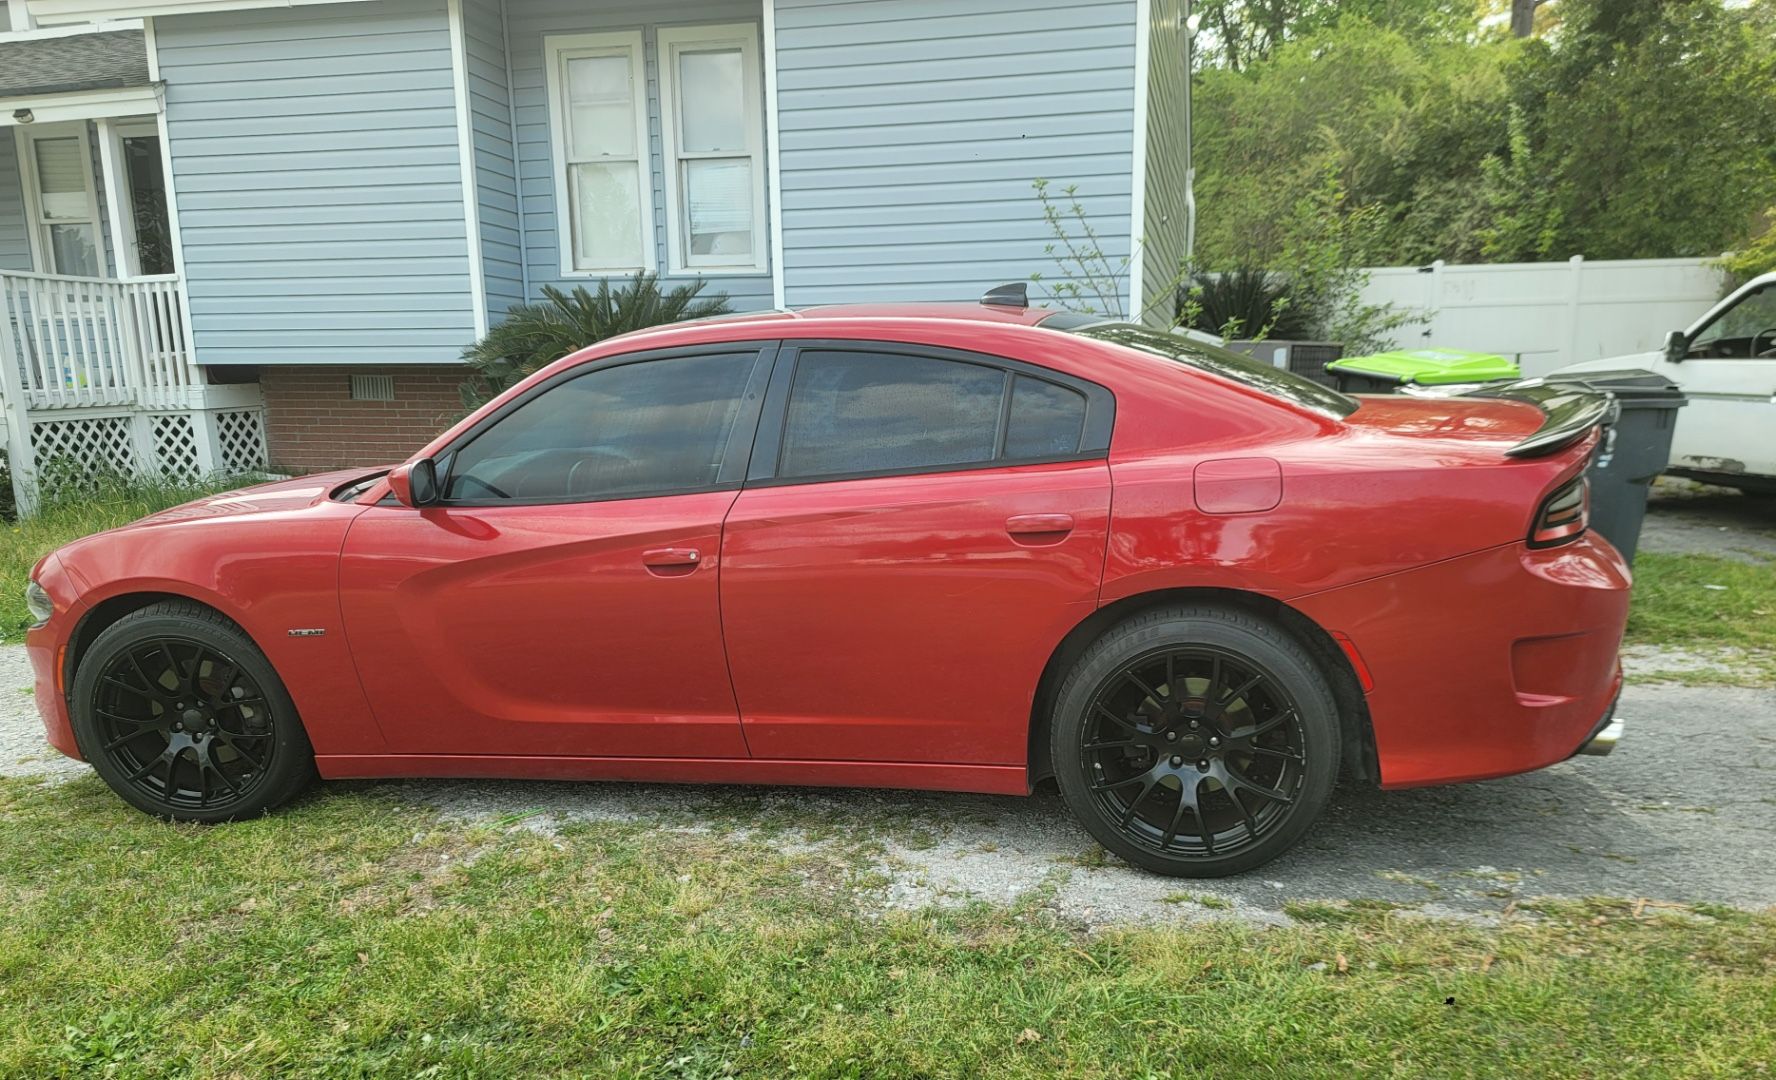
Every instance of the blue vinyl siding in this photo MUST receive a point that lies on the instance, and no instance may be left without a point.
(911, 130)
(527, 22)
(496, 172)
(319, 183)
(15, 244)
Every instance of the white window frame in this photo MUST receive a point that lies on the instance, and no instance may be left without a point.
(26, 140)
(669, 40)
(557, 50)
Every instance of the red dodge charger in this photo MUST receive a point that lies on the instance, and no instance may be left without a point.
(963, 547)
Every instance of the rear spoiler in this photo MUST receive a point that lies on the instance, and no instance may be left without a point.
(1569, 410)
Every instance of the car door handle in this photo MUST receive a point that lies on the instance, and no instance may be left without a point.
(670, 558)
(1039, 525)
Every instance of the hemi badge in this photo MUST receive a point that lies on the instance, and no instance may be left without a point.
(313, 631)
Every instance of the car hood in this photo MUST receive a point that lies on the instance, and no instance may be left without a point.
(278, 496)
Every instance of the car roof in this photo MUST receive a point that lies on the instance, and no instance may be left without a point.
(952, 311)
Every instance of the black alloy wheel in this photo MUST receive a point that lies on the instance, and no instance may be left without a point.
(183, 716)
(1197, 742)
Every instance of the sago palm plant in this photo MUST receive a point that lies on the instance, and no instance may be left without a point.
(533, 335)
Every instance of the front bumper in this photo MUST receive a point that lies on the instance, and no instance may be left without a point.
(46, 646)
(1494, 663)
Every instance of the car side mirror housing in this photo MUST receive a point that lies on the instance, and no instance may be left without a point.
(1677, 346)
(415, 483)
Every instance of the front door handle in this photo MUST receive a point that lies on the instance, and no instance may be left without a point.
(1051, 526)
(671, 558)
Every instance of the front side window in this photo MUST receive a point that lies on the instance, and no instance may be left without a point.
(67, 222)
(1742, 332)
(713, 136)
(654, 427)
(858, 413)
(598, 135)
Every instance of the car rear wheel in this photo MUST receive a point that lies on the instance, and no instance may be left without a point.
(182, 715)
(1196, 741)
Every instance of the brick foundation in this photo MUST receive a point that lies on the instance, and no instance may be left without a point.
(312, 422)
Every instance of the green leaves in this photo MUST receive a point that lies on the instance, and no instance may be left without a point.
(1630, 130)
(534, 335)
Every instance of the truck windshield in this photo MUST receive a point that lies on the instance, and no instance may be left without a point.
(1226, 363)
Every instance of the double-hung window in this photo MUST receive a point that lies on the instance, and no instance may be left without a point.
(599, 135)
(63, 206)
(713, 139)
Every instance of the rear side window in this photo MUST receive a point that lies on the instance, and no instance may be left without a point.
(863, 412)
(1046, 420)
(653, 427)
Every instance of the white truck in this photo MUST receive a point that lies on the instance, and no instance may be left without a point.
(1726, 364)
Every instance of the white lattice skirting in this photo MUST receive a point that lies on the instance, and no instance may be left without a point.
(173, 445)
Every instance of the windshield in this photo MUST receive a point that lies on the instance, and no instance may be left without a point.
(1274, 381)
(1745, 331)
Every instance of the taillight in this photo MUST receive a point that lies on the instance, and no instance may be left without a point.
(1563, 515)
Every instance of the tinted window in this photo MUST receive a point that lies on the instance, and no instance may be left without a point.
(1229, 365)
(1046, 420)
(656, 426)
(875, 412)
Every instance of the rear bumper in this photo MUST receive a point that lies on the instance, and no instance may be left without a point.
(1497, 662)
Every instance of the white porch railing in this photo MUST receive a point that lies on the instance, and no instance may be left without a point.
(77, 342)
(98, 376)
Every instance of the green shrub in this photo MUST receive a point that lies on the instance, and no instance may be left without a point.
(1244, 303)
(535, 335)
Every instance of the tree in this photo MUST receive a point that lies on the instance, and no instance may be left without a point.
(1523, 17)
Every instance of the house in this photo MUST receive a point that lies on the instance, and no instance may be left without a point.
(235, 231)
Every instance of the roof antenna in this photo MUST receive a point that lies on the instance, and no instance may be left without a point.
(1015, 295)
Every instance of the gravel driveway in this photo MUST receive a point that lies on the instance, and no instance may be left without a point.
(1684, 810)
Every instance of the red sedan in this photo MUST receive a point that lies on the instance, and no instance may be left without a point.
(961, 547)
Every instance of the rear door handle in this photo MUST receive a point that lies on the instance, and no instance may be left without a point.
(1039, 524)
(670, 558)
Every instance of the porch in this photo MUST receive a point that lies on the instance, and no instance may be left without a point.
(97, 368)
(97, 375)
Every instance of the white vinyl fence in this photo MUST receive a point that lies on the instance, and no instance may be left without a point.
(1548, 315)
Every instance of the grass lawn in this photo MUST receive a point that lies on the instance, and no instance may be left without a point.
(356, 936)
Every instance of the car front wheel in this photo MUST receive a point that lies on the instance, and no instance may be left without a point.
(182, 715)
(1196, 741)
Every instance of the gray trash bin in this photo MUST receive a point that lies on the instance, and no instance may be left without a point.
(1636, 449)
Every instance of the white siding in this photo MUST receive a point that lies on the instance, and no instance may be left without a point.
(319, 183)
(911, 131)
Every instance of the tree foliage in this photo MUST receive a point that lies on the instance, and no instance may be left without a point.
(1626, 129)
(534, 335)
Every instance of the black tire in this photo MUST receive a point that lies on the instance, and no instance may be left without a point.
(182, 715)
(1132, 730)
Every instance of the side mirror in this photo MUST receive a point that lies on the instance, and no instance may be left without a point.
(1677, 346)
(415, 483)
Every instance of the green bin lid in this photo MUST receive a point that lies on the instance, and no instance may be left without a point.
(1430, 367)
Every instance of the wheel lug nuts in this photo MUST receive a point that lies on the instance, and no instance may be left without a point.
(1177, 761)
(1171, 736)
(1213, 741)
(1203, 764)
(1193, 725)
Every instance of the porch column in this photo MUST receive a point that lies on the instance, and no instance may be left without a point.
(19, 13)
